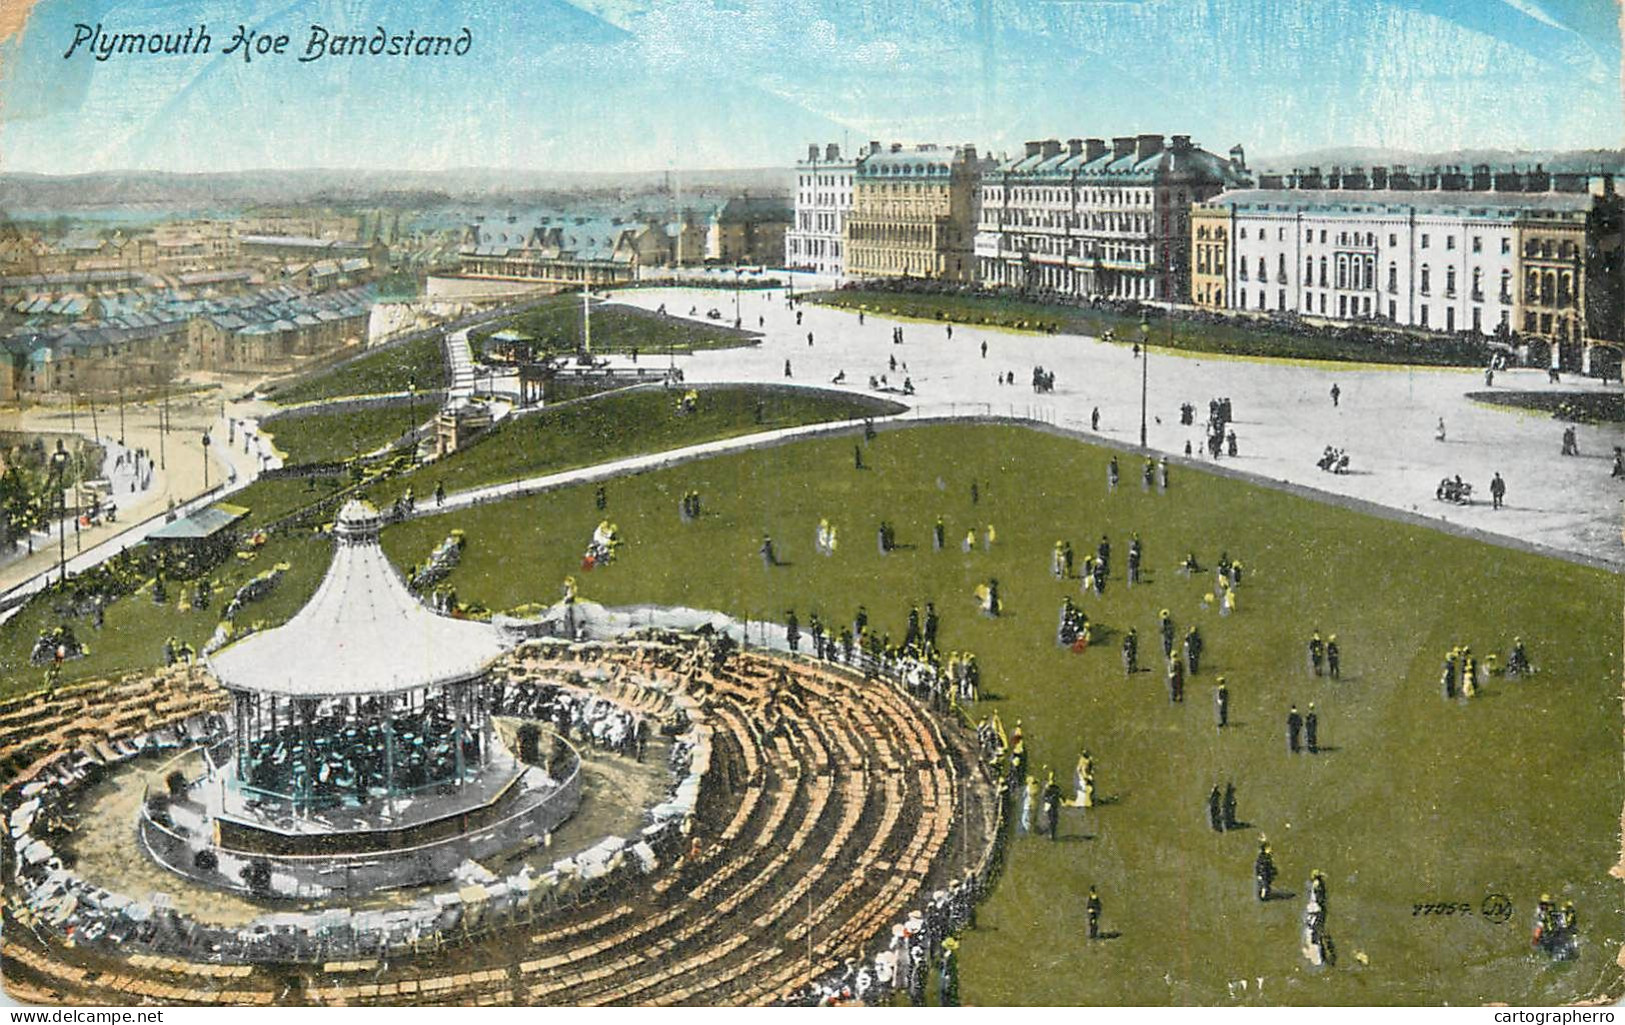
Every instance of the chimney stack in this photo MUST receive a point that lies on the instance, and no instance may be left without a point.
(1481, 178)
(1379, 177)
(832, 152)
(1238, 157)
(1034, 147)
(1538, 180)
(1507, 181)
(874, 145)
(1052, 148)
(1180, 143)
(1147, 146)
(812, 152)
(1094, 149)
(1074, 147)
(1122, 146)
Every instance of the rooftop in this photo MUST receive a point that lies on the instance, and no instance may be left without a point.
(362, 632)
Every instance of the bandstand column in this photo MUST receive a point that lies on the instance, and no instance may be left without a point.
(459, 696)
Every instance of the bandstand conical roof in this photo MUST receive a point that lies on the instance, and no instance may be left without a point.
(362, 632)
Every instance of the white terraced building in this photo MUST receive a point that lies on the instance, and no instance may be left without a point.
(823, 201)
(1086, 218)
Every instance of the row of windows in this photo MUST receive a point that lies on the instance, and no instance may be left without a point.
(996, 194)
(1369, 239)
(825, 179)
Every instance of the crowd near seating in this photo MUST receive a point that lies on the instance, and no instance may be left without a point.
(810, 812)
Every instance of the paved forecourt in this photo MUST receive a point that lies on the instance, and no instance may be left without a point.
(1284, 418)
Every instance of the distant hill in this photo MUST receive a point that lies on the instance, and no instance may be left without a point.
(145, 189)
(1584, 160)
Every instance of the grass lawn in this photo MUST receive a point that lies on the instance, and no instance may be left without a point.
(328, 437)
(1585, 407)
(272, 498)
(133, 632)
(1416, 799)
(1237, 338)
(387, 370)
(555, 326)
(616, 425)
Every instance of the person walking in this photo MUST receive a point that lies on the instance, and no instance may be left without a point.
(1263, 870)
(1334, 658)
(1294, 727)
(1091, 910)
(1193, 650)
(1498, 491)
(1052, 806)
(1337, 393)
(1221, 704)
(1094, 419)
(1311, 730)
(1176, 681)
(1215, 816)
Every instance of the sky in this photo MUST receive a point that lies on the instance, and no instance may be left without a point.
(630, 85)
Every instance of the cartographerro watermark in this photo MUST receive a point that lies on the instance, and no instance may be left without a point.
(249, 43)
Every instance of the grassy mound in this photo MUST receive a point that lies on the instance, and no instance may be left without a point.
(1417, 800)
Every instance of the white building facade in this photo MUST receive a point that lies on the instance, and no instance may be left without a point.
(823, 201)
(1085, 218)
(1440, 260)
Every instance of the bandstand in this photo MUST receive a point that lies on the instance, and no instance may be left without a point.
(363, 753)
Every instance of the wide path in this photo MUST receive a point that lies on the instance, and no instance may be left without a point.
(1284, 417)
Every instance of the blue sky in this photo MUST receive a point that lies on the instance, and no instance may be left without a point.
(638, 84)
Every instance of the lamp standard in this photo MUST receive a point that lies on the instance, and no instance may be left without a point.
(59, 467)
(412, 413)
(739, 320)
(1145, 371)
(206, 442)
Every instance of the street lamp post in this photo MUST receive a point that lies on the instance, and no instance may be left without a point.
(1145, 372)
(59, 467)
(121, 414)
(412, 414)
(739, 320)
(206, 441)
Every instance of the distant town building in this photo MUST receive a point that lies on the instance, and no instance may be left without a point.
(1498, 254)
(748, 230)
(1085, 218)
(580, 251)
(823, 200)
(914, 213)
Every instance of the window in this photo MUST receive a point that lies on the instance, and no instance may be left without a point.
(1393, 277)
(1478, 320)
(1424, 240)
(1450, 281)
(1280, 234)
(1450, 241)
(1424, 314)
(1449, 318)
(1280, 300)
(1323, 272)
(1506, 245)
(1392, 310)
(1393, 240)
(1426, 276)
(1343, 306)
(1309, 236)
(1478, 244)
(1244, 233)
(1323, 236)
(1308, 270)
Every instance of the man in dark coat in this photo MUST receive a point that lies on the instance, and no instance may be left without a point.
(1294, 726)
(1215, 817)
(1091, 910)
(1193, 650)
(1221, 704)
(1176, 681)
(1311, 730)
(1334, 658)
(1263, 870)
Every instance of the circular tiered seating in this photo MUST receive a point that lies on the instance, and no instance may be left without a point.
(831, 806)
